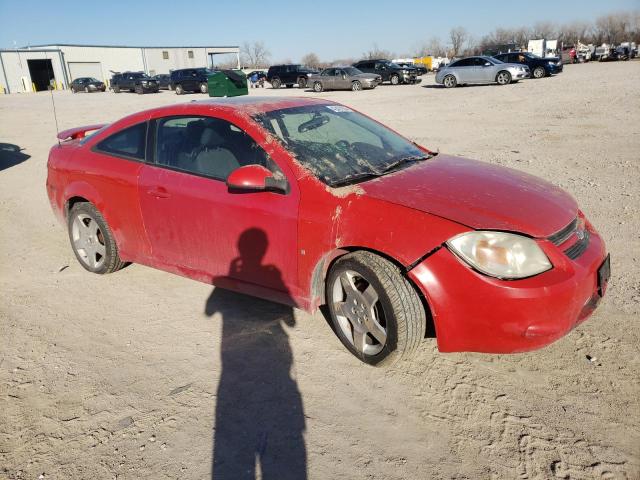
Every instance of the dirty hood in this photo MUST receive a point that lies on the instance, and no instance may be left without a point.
(478, 195)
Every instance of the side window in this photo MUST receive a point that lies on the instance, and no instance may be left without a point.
(328, 72)
(206, 146)
(129, 142)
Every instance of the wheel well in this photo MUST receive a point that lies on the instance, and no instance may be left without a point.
(502, 71)
(318, 281)
(71, 202)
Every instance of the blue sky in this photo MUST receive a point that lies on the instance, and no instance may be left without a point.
(332, 29)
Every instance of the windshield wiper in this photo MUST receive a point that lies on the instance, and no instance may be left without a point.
(402, 161)
(355, 178)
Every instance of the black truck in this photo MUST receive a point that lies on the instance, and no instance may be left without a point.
(389, 71)
(138, 82)
(289, 75)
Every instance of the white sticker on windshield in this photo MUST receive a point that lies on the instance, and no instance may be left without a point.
(339, 108)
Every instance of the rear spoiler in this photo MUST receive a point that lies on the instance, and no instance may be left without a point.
(79, 132)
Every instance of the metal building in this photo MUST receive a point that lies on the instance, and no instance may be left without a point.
(38, 67)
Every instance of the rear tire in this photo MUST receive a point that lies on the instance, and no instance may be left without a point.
(179, 90)
(302, 82)
(86, 89)
(366, 293)
(116, 89)
(91, 240)
(139, 89)
(276, 83)
(356, 86)
(204, 88)
(317, 87)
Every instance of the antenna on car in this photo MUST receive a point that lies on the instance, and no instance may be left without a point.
(53, 103)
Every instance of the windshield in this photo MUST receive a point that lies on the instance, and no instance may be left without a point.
(352, 71)
(339, 146)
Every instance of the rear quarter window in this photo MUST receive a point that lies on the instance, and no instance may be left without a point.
(127, 143)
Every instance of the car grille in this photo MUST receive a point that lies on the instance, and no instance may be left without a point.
(581, 244)
(563, 235)
(578, 248)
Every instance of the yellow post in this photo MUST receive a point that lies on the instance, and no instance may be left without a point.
(33, 86)
(2, 88)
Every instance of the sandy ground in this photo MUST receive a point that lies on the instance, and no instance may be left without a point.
(120, 376)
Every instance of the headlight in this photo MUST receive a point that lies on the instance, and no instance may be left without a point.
(500, 254)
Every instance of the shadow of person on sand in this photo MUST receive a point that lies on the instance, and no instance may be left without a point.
(11, 155)
(259, 418)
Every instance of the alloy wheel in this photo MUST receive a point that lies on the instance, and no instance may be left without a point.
(88, 240)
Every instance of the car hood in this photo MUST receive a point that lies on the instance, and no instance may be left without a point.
(478, 195)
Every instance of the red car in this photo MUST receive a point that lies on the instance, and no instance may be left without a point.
(308, 202)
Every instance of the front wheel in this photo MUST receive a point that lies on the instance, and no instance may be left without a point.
(116, 89)
(395, 79)
(139, 90)
(538, 72)
(86, 89)
(356, 86)
(449, 81)
(317, 87)
(276, 83)
(204, 88)
(91, 240)
(503, 78)
(376, 312)
(179, 90)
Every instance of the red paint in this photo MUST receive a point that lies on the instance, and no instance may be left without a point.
(78, 132)
(277, 246)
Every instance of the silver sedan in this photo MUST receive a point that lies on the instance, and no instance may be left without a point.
(481, 70)
(343, 78)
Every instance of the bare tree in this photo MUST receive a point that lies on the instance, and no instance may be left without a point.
(458, 37)
(376, 53)
(611, 28)
(544, 30)
(574, 32)
(311, 60)
(432, 47)
(255, 55)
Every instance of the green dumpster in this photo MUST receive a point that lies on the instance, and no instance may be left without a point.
(227, 83)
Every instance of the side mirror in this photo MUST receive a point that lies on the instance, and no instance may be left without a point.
(344, 76)
(255, 178)
(487, 64)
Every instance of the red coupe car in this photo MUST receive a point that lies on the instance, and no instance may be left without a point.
(308, 202)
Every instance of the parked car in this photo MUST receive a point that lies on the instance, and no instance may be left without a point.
(420, 69)
(87, 84)
(163, 80)
(480, 70)
(389, 71)
(320, 219)
(190, 80)
(539, 67)
(343, 78)
(289, 75)
(138, 82)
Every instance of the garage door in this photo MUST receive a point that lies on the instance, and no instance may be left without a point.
(85, 69)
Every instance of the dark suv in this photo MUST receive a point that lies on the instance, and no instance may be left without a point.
(540, 67)
(389, 71)
(289, 75)
(190, 80)
(138, 82)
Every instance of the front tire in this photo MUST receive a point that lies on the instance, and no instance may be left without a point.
(317, 87)
(356, 86)
(376, 312)
(449, 81)
(116, 89)
(395, 79)
(276, 83)
(91, 240)
(86, 89)
(179, 90)
(539, 72)
(503, 78)
(204, 88)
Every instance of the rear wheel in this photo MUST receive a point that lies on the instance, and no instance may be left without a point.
(356, 86)
(139, 90)
(317, 87)
(503, 78)
(204, 88)
(92, 241)
(86, 89)
(538, 72)
(376, 312)
(450, 81)
(276, 83)
(179, 89)
(116, 89)
(302, 82)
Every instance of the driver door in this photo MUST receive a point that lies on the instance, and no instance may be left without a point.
(197, 227)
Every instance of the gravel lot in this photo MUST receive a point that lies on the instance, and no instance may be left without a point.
(121, 377)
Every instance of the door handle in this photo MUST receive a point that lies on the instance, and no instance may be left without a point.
(158, 192)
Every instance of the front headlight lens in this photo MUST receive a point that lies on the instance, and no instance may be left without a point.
(500, 254)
